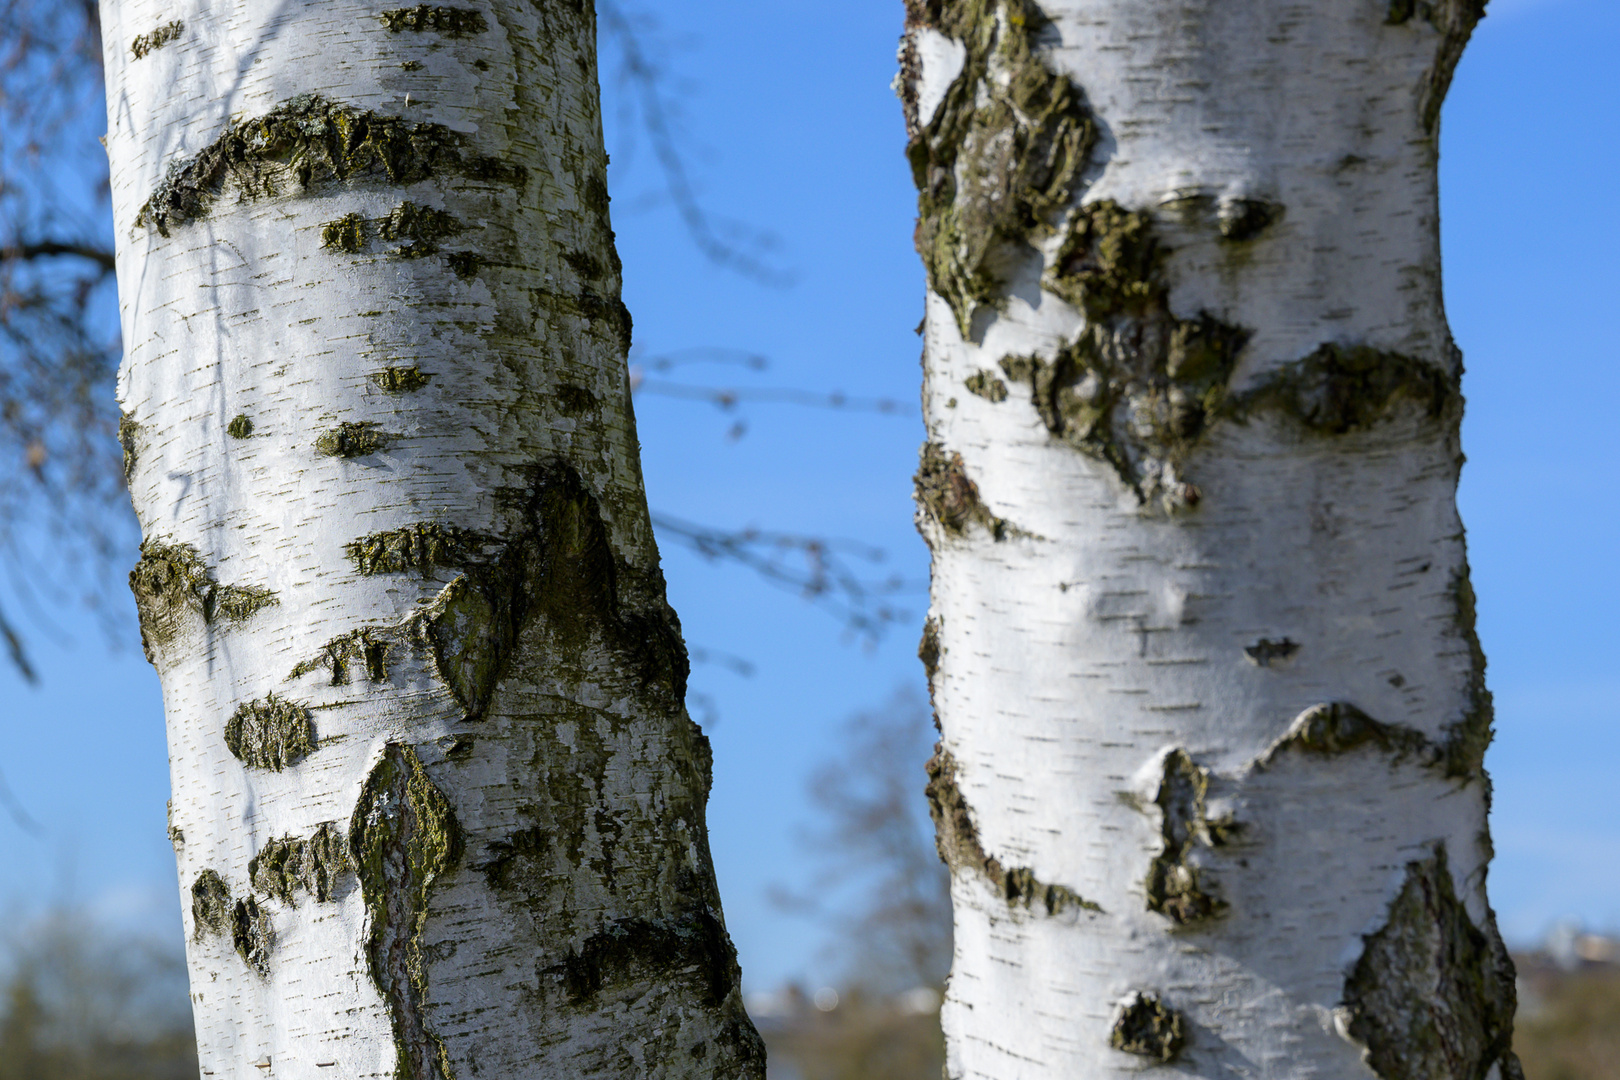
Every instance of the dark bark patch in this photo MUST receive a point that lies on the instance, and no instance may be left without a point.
(369, 647)
(988, 385)
(1149, 1028)
(1265, 652)
(1002, 156)
(289, 865)
(1469, 738)
(575, 400)
(270, 734)
(960, 849)
(1176, 887)
(449, 21)
(352, 439)
(417, 229)
(692, 948)
(172, 584)
(590, 305)
(1338, 727)
(1139, 387)
(1339, 389)
(400, 380)
(417, 548)
(240, 427)
(346, 234)
(129, 441)
(1432, 994)
(403, 838)
(310, 140)
(156, 39)
(1241, 220)
(562, 570)
(210, 905)
(251, 934)
(950, 498)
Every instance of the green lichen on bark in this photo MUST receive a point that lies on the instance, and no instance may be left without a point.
(129, 433)
(987, 385)
(311, 140)
(401, 380)
(1003, 155)
(210, 905)
(1340, 389)
(957, 839)
(156, 39)
(947, 496)
(418, 548)
(270, 734)
(172, 585)
(403, 838)
(1147, 1027)
(369, 647)
(1176, 887)
(449, 21)
(240, 427)
(1454, 22)
(1138, 387)
(352, 439)
(1432, 994)
(289, 865)
(347, 234)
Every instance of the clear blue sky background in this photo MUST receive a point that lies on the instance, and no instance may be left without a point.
(789, 124)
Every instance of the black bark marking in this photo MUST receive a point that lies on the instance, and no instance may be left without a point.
(289, 865)
(1002, 156)
(1266, 652)
(988, 385)
(352, 439)
(1338, 727)
(368, 646)
(449, 21)
(1339, 389)
(171, 583)
(270, 734)
(240, 427)
(129, 440)
(947, 495)
(1454, 20)
(1241, 220)
(1176, 887)
(1139, 387)
(311, 140)
(1432, 994)
(418, 548)
(1148, 1028)
(210, 905)
(151, 42)
(403, 838)
(960, 849)
(251, 934)
(401, 380)
(691, 948)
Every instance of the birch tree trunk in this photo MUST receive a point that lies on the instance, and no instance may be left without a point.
(438, 807)
(1202, 642)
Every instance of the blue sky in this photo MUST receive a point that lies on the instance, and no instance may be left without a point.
(789, 126)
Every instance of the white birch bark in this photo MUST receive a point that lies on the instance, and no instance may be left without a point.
(1201, 641)
(438, 807)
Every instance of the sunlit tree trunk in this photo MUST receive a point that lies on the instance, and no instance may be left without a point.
(438, 807)
(1202, 640)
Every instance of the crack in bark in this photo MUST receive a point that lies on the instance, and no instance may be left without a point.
(1433, 995)
(403, 837)
(960, 849)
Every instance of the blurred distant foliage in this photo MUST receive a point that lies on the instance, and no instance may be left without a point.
(1569, 1022)
(78, 1002)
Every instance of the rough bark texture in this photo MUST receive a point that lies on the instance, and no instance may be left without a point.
(439, 809)
(1201, 643)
